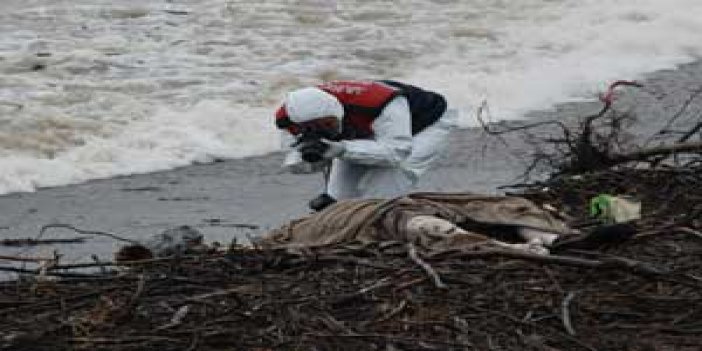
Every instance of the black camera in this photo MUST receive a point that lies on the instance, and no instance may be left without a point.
(312, 149)
(310, 145)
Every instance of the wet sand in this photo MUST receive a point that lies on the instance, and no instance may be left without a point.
(217, 198)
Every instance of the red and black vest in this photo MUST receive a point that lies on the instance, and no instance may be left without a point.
(363, 101)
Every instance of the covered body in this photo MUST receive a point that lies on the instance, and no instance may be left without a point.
(482, 218)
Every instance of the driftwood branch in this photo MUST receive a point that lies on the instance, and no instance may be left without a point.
(565, 313)
(84, 232)
(36, 242)
(694, 130)
(412, 251)
(657, 151)
(26, 259)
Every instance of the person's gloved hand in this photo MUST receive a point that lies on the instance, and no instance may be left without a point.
(334, 149)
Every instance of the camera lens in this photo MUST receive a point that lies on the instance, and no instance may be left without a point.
(311, 156)
(312, 151)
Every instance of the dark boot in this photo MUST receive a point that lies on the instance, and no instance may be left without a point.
(321, 202)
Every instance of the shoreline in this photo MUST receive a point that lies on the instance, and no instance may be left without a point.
(216, 198)
(219, 199)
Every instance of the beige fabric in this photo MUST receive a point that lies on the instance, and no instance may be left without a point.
(345, 221)
(438, 233)
(367, 220)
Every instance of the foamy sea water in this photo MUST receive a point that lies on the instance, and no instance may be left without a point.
(98, 88)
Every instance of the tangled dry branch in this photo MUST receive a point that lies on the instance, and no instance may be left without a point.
(602, 140)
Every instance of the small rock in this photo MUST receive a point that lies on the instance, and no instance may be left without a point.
(174, 241)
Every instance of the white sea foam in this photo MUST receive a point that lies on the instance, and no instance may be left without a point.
(564, 52)
(96, 88)
(209, 130)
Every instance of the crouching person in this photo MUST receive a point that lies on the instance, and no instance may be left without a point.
(379, 136)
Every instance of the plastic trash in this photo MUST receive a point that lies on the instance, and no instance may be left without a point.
(615, 209)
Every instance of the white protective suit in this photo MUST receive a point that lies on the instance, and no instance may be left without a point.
(389, 165)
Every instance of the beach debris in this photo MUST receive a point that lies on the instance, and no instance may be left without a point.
(183, 198)
(45, 228)
(602, 140)
(25, 258)
(142, 189)
(177, 12)
(172, 241)
(608, 97)
(609, 234)
(218, 222)
(179, 240)
(36, 242)
(615, 209)
(134, 252)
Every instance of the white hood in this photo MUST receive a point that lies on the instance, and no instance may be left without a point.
(307, 104)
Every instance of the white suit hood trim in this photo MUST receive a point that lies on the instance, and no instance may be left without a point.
(306, 104)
